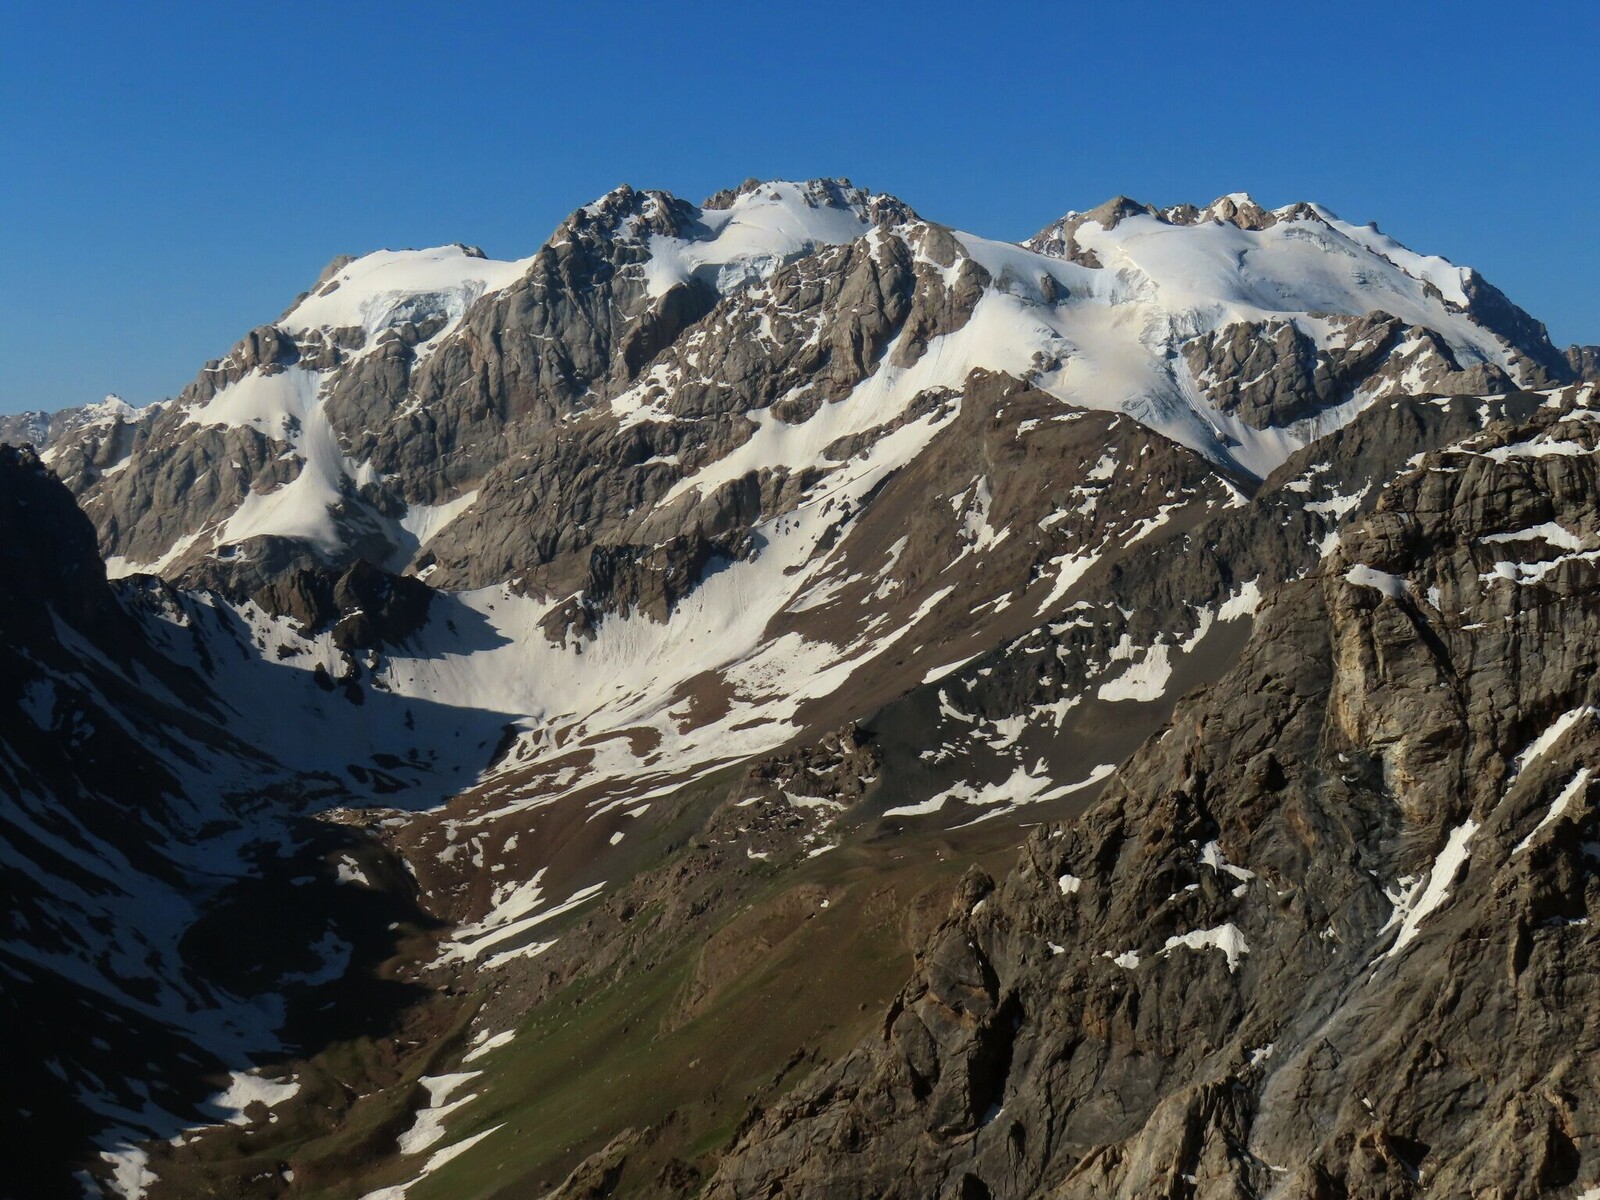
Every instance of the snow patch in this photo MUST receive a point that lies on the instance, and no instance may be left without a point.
(1362, 575)
(1558, 807)
(245, 1089)
(1411, 909)
(1143, 681)
(1225, 938)
(428, 1127)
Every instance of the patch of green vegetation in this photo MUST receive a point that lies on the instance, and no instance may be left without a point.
(602, 1056)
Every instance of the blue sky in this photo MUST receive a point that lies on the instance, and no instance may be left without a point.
(172, 175)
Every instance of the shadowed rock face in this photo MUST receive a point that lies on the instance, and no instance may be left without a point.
(135, 981)
(828, 320)
(366, 607)
(48, 556)
(1327, 932)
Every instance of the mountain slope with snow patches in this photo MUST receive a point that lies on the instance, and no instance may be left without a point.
(534, 638)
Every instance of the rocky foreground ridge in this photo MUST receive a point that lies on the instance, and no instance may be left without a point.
(1327, 934)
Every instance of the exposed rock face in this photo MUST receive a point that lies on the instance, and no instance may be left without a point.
(643, 579)
(1325, 933)
(828, 321)
(1060, 238)
(365, 607)
(1274, 374)
(1585, 362)
(138, 980)
(1080, 693)
(431, 392)
(31, 428)
(1528, 336)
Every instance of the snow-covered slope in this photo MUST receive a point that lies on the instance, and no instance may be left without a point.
(388, 288)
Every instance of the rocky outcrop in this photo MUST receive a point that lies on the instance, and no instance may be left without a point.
(366, 608)
(1527, 336)
(1178, 606)
(642, 579)
(1585, 362)
(30, 428)
(1325, 934)
(827, 320)
(146, 833)
(48, 556)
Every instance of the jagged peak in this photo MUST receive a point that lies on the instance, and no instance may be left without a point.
(878, 208)
(336, 264)
(112, 406)
(628, 212)
(1239, 209)
(740, 235)
(632, 213)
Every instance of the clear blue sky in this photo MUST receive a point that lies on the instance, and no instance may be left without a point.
(172, 175)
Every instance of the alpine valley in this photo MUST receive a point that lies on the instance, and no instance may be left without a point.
(784, 698)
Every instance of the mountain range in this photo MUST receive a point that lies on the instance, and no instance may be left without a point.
(782, 697)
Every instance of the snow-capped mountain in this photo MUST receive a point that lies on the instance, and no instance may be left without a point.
(685, 349)
(653, 627)
(99, 433)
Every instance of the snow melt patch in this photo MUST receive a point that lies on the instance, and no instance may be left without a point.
(1225, 938)
(1539, 447)
(347, 870)
(1553, 734)
(488, 1045)
(428, 1127)
(243, 1090)
(1244, 604)
(38, 700)
(1362, 575)
(424, 521)
(437, 1160)
(1410, 909)
(1145, 680)
(130, 1172)
(1550, 532)
(119, 566)
(1024, 786)
(1211, 855)
(1558, 807)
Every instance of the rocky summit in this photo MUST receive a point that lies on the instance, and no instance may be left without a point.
(781, 697)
